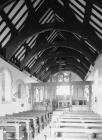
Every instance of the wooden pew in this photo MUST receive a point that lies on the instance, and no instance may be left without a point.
(46, 115)
(2, 134)
(32, 126)
(12, 131)
(91, 133)
(25, 125)
(65, 138)
(79, 125)
(39, 119)
(80, 114)
(80, 120)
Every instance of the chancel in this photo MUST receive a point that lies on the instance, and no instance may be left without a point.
(50, 69)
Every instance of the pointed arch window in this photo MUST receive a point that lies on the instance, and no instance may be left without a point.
(5, 86)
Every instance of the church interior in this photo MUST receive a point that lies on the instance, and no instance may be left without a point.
(50, 70)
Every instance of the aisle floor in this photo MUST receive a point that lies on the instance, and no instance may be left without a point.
(44, 134)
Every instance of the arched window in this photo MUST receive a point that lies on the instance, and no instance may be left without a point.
(37, 97)
(20, 89)
(5, 85)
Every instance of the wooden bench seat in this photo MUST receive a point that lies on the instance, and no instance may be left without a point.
(80, 114)
(32, 120)
(80, 120)
(25, 123)
(75, 115)
(39, 119)
(85, 125)
(46, 114)
(12, 131)
(42, 114)
(90, 132)
(65, 138)
(80, 117)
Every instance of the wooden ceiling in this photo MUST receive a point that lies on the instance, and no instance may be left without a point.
(44, 37)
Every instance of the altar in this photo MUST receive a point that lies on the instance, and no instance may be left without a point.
(63, 104)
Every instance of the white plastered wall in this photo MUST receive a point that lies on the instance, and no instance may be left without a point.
(96, 77)
(17, 105)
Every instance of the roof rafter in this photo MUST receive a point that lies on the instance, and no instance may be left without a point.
(3, 3)
(9, 23)
(41, 35)
(68, 66)
(67, 52)
(86, 30)
(40, 42)
(68, 60)
(31, 29)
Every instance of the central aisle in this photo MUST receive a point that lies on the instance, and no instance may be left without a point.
(65, 125)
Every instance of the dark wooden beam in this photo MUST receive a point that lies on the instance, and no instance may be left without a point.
(69, 68)
(40, 42)
(45, 77)
(42, 9)
(87, 30)
(3, 3)
(68, 60)
(68, 64)
(24, 34)
(96, 2)
(9, 23)
(32, 11)
(73, 44)
(62, 83)
(67, 46)
(30, 30)
(88, 11)
(73, 26)
(43, 74)
(70, 44)
(67, 52)
(66, 56)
